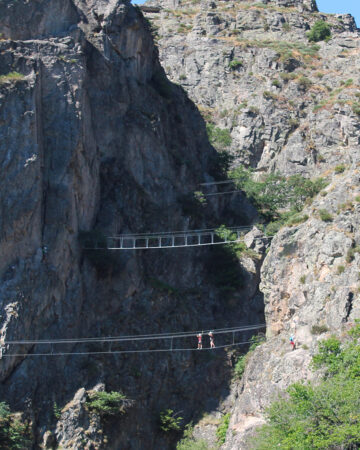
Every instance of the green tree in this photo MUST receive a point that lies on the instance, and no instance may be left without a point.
(320, 31)
(13, 433)
(107, 403)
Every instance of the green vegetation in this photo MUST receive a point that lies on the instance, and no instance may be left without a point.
(351, 253)
(11, 76)
(222, 429)
(302, 279)
(189, 442)
(356, 108)
(269, 95)
(218, 137)
(235, 63)
(57, 411)
(14, 434)
(169, 421)
(340, 168)
(279, 199)
(325, 216)
(276, 83)
(340, 269)
(320, 31)
(240, 365)
(304, 83)
(321, 416)
(319, 329)
(107, 403)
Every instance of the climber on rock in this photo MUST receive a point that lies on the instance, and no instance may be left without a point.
(292, 342)
(212, 343)
(199, 337)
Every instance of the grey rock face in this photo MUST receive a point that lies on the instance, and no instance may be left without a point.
(289, 107)
(93, 136)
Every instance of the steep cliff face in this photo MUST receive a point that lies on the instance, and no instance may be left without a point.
(288, 105)
(93, 136)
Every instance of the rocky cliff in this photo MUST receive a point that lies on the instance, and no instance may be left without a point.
(291, 106)
(95, 139)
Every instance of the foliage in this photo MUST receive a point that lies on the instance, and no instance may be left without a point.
(11, 76)
(304, 83)
(302, 279)
(340, 269)
(189, 442)
(219, 137)
(222, 429)
(320, 31)
(13, 433)
(325, 216)
(107, 403)
(238, 248)
(169, 421)
(57, 411)
(322, 416)
(356, 108)
(340, 168)
(274, 192)
(235, 63)
(319, 329)
(276, 83)
(269, 95)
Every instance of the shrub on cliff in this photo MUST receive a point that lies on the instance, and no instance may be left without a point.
(13, 433)
(320, 31)
(322, 416)
(107, 403)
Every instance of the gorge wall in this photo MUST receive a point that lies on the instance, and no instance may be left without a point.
(290, 106)
(94, 137)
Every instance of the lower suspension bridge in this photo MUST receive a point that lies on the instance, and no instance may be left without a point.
(147, 343)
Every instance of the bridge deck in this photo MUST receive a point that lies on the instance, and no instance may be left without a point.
(147, 241)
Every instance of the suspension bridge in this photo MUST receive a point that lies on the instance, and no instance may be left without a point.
(163, 342)
(170, 239)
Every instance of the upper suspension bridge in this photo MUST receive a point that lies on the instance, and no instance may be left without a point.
(169, 239)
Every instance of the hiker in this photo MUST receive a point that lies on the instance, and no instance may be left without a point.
(292, 342)
(212, 343)
(199, 337)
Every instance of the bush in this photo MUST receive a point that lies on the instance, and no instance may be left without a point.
(304, 83)
(276, 83)
(169, 422)
(340, 168)
(218, 137)
(319, 329)
(222, 429)
(302, 279)
(269, 95)
(320, 31)
(325, 216)
(356, 108)
(235, 63)
(11, 76)
(13, 433)
(240, 365)
(107, 403)
(340, 269)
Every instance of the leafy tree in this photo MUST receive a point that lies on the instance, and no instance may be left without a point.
(13, 433)
(277, 197)
(320, 31)
(169, 421)
(107, 403)
(322, 416)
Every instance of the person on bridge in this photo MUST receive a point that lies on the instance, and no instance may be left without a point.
(212, 343)
(199, 337)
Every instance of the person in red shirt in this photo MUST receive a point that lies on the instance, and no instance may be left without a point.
(199, 337)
